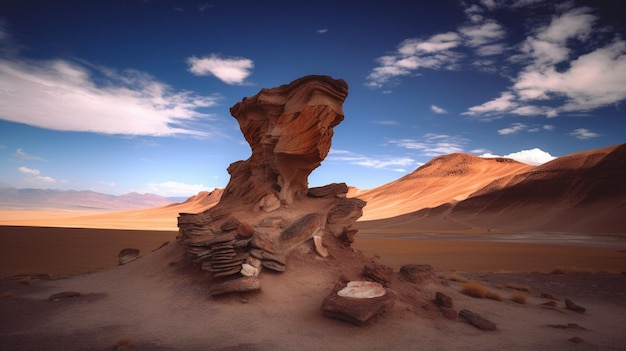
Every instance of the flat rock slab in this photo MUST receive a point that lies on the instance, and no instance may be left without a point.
(128, 255)
(570, 305)
(354, 309)
(477, 321)
(242, 284)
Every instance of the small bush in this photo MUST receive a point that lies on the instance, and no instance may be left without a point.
(514, 286)
(519, 297)
(478, 290)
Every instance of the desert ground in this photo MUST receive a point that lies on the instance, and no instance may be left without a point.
(160, 301)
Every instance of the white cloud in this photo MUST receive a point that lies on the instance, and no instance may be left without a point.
(173, 188)
(506, 102)
(22, 155)
(548, 127)
(29, 170)
(35, 175)
(582, 133)
(480, 34)
(62, 95)
(533, 157)
(386, 123)
(229, 70)
(322, 31)
(513, 129)
(433, 144)
(554, 76)
(437, 109)
(414, 54)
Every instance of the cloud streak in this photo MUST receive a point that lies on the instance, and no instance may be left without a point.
(63, 95)
(532, 157)
(35, 175)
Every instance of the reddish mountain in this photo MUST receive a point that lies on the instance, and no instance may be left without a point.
(583, 192)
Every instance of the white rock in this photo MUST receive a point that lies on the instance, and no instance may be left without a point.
(249, 270)
(319, 246)
(361, 289)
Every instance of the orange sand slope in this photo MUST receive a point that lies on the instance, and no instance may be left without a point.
(582, 193)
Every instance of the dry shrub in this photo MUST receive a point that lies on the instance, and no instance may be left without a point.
(519, 287)
(475, 289)
(519, 297)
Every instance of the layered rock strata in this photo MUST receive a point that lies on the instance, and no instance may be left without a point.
(267, 208)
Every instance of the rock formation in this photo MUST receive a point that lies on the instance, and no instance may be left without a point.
(267, 208)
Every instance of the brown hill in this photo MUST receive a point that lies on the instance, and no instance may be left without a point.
(583, 192)
(442, 180)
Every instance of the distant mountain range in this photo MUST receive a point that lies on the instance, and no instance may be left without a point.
(583, 192)
(71, 199)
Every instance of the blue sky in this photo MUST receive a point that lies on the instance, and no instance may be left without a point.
(122, 96)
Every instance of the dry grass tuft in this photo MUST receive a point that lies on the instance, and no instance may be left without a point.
(475, 289)
(519, 297)
(456, 278)
(519, 287)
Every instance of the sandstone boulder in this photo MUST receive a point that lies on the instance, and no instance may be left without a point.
(357, 302)
(127, 255)
(378, 272)
(416, 273)
(477, 320)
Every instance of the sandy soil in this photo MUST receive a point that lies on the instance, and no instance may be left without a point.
(160, 302)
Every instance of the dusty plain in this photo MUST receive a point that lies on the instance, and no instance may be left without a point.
(160, 301)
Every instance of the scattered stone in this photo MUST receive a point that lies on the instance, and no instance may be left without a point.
(64, 295)
(319, 246)
(567, 326)
(477, 321)
(577, 340)
(330, 190)
(378, 272)
(570, 305)
(357, 310)
(162, 246)
(243, 284)
(128, 255)
(443, 300)
(416, 273)
(245, 230)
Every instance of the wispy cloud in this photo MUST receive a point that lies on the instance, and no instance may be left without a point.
(386, 122)
(23, 155)
(513, 129)
(393, 163)
(230, 70)
(533, 157)
(432, 144)
(173, 188)
(582, 133)
(413, 54)
(63, 95)
(438, 110)
(35, 175)
(322, 30)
